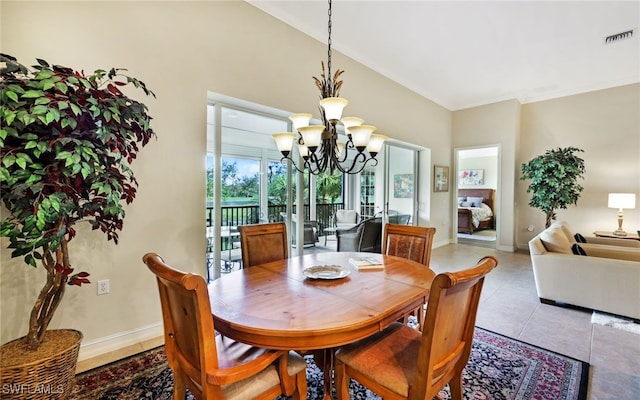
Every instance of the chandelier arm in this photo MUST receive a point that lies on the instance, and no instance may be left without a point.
(310, 167)
(284, 159)
(363, 164)
(347, 147)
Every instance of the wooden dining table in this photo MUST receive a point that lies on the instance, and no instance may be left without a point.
(275, 305)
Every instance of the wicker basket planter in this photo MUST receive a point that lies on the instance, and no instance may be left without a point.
(48, 373)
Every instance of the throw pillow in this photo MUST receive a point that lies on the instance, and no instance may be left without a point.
(565, 228)
(579, 238)
(555, 240)
(577, 250)
(466, 204)
(476, 201)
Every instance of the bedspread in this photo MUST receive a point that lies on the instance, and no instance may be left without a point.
(479, 213)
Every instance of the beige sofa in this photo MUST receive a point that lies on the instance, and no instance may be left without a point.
(606, 279)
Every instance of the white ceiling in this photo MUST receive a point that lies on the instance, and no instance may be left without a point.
(462, 54)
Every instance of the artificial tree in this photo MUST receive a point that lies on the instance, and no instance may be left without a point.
(66, 141)
(554, 180)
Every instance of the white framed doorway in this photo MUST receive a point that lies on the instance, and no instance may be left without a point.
(484, 159)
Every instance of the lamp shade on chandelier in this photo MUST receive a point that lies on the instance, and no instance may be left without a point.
(318, 145)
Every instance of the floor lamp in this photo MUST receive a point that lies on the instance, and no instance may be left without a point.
(621, 201)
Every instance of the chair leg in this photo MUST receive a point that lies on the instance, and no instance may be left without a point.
(420, 313)
(300, 392)
(455, 386)
(341, 381)
(179, 388)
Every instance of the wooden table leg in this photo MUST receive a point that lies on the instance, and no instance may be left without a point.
(324, 360)
(328, 373)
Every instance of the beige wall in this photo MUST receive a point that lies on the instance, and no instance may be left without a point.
(494, 124)
(606, 125)
(181, 51)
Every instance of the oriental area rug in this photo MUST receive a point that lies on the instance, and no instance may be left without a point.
(499, 368)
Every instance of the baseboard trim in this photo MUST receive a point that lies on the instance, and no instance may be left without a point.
(441, 243)
(509, 249)
(119, 341)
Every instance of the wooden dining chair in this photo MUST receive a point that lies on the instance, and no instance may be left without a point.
(403, 363)
(413, 243)
(262, 243)
(212, 366)
(408, 241)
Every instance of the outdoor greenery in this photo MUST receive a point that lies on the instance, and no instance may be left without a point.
(66, 142)
(554, 180)
(237, 187)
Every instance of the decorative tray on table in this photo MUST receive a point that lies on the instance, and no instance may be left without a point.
(326, 272)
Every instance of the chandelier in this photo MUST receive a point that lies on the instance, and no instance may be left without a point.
(318, 144)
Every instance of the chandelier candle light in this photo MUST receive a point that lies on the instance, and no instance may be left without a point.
(318, 144)
(621, 201)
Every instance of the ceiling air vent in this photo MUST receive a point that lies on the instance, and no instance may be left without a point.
(618, 36)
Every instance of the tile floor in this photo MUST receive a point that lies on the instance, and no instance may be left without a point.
(510, 306)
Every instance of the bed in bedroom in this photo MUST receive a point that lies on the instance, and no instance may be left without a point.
(475, 210)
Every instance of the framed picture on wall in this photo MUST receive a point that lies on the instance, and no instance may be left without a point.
(403, 186)
(440, 178)
(471, 177)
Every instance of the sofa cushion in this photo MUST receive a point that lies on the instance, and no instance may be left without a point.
(347, 216)
(579, 238)
(565, 229)
(555, 240)
(577, 250)
(613, 252)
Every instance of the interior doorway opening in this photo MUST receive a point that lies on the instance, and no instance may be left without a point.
(477, 178)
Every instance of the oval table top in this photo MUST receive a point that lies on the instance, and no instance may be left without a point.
(275, 306)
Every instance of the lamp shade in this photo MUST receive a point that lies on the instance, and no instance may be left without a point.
(348, 122)
(300, 120)
(333, 107)
(303, 150)
(622, 200)
(340, 146)
(284, 141)
(311, 135)
(375, 143)
(361, 134)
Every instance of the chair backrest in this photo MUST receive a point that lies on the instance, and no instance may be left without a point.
(371, 240)
(407, 241)
(188, 326)
(262, 243)
(449, 324)
(346, 217)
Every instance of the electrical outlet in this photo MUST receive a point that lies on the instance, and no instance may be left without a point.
(103, 287)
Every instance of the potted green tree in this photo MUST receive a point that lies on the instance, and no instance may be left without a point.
(554, 180)
(66, 142)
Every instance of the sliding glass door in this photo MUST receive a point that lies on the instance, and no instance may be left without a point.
(401, 185)
(246, 183)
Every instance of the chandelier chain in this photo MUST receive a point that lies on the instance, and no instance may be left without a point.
(329, 44)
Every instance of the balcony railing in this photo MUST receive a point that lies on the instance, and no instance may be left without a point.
(243, 215)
